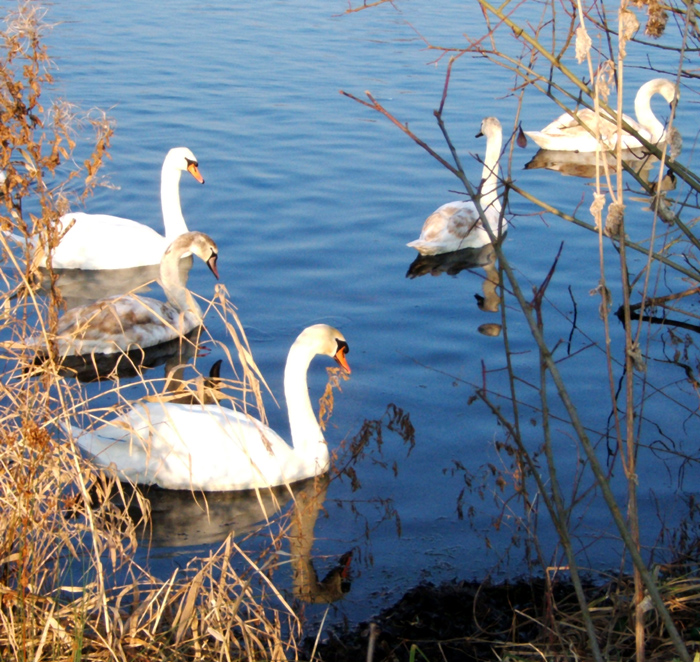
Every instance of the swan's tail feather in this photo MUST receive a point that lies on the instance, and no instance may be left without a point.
(84, 440)
(423, 247)
(539, 138)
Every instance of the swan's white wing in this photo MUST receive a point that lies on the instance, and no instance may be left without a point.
(452, 221)
(99, 241)
(567, 134)
(194, 447)
(451, 227)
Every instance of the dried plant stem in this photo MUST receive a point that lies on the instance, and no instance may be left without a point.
(589, 450)
(657, 257)
(629, 537)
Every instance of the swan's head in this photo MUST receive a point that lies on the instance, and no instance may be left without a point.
(490, 126)
(324, 339)
(182, 159)
(199, 244)
(661, 86)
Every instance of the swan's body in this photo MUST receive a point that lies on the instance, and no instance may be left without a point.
(567, 134)
(121, 323)
(100, 241)
(208, 447)
(457, 225)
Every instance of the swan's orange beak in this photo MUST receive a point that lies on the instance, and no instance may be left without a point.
(193, 169)
(340, 358)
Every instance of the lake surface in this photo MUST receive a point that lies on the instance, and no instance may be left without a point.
(312, 198)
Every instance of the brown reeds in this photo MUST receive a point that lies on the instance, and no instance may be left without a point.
(70, 587)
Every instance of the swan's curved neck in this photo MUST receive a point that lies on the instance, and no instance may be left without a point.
(173, 220)
(645, 115)
(174, 282)
(307, 437)
(489, 188)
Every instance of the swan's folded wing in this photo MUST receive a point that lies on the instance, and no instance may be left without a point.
(451, 220)
(120, 323)
(114, 445)
(101, 241)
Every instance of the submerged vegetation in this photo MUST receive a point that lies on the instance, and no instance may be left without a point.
(70, 587)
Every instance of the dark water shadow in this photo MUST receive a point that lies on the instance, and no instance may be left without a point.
(466, 259)
(182, 518)
(121, 365)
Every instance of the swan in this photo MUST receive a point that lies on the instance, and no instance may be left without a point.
(118, 324)
(99, 241)
(456, 225)
(211, 448)
(566, 134)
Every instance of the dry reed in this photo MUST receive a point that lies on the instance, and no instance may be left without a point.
(70, 587)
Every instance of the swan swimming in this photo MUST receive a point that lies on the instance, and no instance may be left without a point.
(212, 448)
(121, 323)
(457, 225)
(100, 241)
(566, 134)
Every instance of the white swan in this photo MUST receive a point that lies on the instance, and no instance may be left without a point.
(566, 134)
(99, 241)
(456, 225)
(121, 323)
(208, 447)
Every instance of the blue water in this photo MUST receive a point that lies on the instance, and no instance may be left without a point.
(312, 197)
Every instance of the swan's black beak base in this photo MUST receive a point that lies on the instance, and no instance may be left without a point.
(193, 169)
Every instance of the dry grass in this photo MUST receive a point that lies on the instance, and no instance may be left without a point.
(70, 587)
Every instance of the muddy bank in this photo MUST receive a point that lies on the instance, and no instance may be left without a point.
(464, 621)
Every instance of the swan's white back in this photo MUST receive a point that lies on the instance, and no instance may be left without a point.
(99, 241)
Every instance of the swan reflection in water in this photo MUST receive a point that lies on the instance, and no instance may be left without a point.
(79, 287)
(589, 164)
(180, 518)
(97, 367)
(584, 165)
(466, 259)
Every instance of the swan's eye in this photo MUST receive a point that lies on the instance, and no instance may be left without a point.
(343, 347)
(190, 163)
